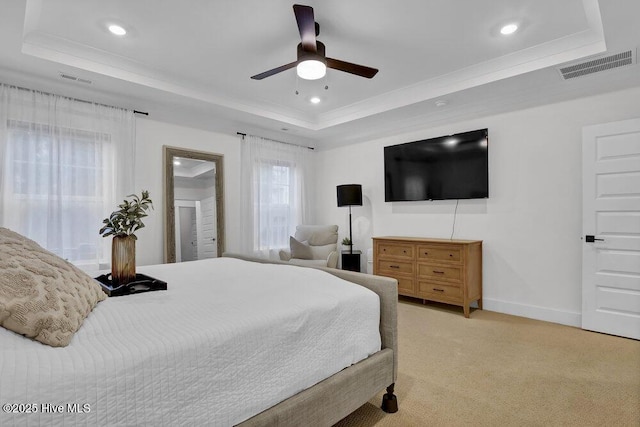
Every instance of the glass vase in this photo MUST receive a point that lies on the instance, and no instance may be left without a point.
(123, 260)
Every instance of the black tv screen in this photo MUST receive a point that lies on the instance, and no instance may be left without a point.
(448, 167)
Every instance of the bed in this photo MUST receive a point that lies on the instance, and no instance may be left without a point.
(233, 341)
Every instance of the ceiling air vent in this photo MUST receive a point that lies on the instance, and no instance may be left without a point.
(75, 78)
(598, 64)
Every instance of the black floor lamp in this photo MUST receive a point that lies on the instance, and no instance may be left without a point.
(350, 195)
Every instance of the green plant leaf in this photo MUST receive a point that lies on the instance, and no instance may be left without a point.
(128, 218)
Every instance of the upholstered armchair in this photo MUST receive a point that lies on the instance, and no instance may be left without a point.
(313, 245)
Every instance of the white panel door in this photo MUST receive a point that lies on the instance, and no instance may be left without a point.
(611, 228)
(209, 232)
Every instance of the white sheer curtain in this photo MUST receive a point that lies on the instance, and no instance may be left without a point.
(65, 165)
(275, 186)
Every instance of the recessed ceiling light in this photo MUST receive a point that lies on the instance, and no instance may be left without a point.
(315, 100)
(117, 30)
(509, 29)
(441, 103)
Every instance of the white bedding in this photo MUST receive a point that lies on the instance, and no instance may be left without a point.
(228, 339)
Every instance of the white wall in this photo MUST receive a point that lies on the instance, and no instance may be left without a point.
(150, 137)
(532, 223)
(193, 189)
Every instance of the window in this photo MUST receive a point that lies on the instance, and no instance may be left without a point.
(275, 181)
(275, 204)
(64, 165)
(57, 177)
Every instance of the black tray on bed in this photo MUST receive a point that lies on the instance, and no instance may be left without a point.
(143, 283)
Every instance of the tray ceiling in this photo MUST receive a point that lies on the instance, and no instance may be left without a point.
(199, 58)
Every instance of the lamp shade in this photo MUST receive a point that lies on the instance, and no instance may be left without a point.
(350, 195)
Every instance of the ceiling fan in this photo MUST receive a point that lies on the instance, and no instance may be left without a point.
(312, 63)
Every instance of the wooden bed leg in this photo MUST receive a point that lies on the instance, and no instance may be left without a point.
(390, 401)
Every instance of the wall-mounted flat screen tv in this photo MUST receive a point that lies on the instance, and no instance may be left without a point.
(447, 167)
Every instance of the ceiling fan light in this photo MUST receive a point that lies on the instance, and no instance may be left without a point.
(311, 69)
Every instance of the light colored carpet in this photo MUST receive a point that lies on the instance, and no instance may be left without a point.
(499, 370)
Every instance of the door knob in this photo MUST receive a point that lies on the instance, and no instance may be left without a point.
(590, 239)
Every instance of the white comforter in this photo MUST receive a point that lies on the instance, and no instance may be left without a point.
(228, 339)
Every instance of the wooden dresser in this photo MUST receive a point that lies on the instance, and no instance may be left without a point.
(448, 271)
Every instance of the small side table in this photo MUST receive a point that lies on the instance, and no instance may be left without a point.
(351, 261)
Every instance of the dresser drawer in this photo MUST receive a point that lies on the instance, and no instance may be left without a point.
(431, 289)
(439, 253)
(440, 272)
(406, 286)
(393, 267)
(395, 250)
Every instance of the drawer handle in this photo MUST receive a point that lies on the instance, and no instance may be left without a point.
(438, 272)
(450, 255)
(394, 266)
(438, 290)
(426, 253)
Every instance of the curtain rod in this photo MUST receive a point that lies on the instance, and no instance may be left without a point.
(275, 140)
(75, 99)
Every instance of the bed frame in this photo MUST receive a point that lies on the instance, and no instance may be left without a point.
(331, 400)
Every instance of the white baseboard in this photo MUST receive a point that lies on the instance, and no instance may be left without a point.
(540, 313)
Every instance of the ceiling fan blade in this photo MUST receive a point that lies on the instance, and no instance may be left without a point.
(306, 26)
(274, 71)
(348, 67)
